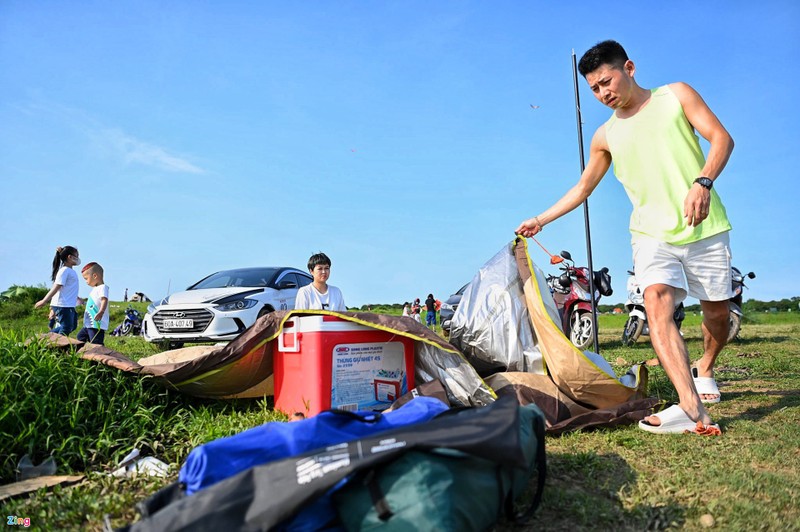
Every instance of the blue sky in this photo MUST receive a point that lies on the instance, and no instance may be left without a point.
(169, 140)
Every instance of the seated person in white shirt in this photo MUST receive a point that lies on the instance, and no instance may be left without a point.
(319, 294)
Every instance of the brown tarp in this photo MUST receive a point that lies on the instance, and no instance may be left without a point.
(561, 413)
(574, 373)
(243, 368)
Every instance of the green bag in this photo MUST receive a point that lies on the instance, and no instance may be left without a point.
(444, 489)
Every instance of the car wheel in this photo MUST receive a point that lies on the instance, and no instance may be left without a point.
(266, 309)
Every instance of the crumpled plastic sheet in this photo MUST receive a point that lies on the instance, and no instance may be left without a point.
(491, 325)
(462, 384)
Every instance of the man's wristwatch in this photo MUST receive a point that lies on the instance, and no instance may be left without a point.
(704, 182)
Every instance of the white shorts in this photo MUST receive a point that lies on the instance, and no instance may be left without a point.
(705, 266)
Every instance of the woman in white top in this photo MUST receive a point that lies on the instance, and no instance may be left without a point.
(63, 296)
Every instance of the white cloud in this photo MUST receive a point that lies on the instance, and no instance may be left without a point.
(133, 150)
(113, 141)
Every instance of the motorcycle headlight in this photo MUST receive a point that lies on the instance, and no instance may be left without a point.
(239, 304)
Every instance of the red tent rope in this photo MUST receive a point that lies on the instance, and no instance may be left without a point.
(554, 259)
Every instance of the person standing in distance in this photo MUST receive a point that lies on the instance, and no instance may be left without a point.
(679, 226)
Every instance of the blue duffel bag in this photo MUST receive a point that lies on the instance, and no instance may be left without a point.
(225, 457)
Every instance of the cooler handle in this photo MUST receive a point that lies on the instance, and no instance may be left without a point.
(295, 345)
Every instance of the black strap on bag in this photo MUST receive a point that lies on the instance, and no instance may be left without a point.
(541, 472)
(378, 497)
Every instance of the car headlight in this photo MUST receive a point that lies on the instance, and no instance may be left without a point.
(446, 306)
(151, 308)
(239, 304)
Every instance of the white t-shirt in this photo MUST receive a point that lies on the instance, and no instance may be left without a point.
(309, 297)
(68, 295)
(90, 317)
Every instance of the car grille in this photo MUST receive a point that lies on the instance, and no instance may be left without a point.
(200, 317)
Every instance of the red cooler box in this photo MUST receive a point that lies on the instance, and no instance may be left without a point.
(325, 362)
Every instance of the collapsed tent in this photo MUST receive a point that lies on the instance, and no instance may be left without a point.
(508, 327)
(244, 368)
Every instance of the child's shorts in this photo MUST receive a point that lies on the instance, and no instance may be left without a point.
(93, 336)
(66, 320)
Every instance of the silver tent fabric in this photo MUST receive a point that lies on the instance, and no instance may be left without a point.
(491, 325)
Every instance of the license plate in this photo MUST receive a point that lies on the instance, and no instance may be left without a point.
(182, 323)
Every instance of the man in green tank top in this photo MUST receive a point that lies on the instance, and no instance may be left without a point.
(678, 225)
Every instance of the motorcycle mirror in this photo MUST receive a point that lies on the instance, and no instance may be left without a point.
(566, 255)
(751, 275)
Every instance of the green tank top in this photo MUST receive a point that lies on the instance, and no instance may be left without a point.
(657, 157)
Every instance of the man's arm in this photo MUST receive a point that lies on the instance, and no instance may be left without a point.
(697, 112)
(598, 165)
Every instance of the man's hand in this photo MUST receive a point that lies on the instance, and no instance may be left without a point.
(40, 304)
(529, 227)
(696, 205)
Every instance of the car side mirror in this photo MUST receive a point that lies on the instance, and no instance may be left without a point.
(287, 284)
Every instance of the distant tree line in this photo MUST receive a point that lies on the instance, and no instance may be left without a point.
(381, 308)
(751, 305)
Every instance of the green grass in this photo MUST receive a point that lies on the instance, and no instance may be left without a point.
(88, 416)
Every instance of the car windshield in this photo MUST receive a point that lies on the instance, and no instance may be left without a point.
(245, 277)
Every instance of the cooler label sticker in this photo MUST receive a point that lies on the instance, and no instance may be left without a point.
(371, 375)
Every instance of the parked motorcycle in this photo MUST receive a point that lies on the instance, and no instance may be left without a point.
(636, 325)
(131, 325)
(735, 303)
(571, 293)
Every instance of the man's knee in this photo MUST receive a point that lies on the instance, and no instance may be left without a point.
(659, 295)
(715, 312)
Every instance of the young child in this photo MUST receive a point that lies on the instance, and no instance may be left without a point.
(95, 319)
(415, 310)
(63, 296)
(319, 294)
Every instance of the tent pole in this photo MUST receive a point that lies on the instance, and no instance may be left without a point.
(585, 204)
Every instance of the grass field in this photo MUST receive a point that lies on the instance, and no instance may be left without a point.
(89, 416)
